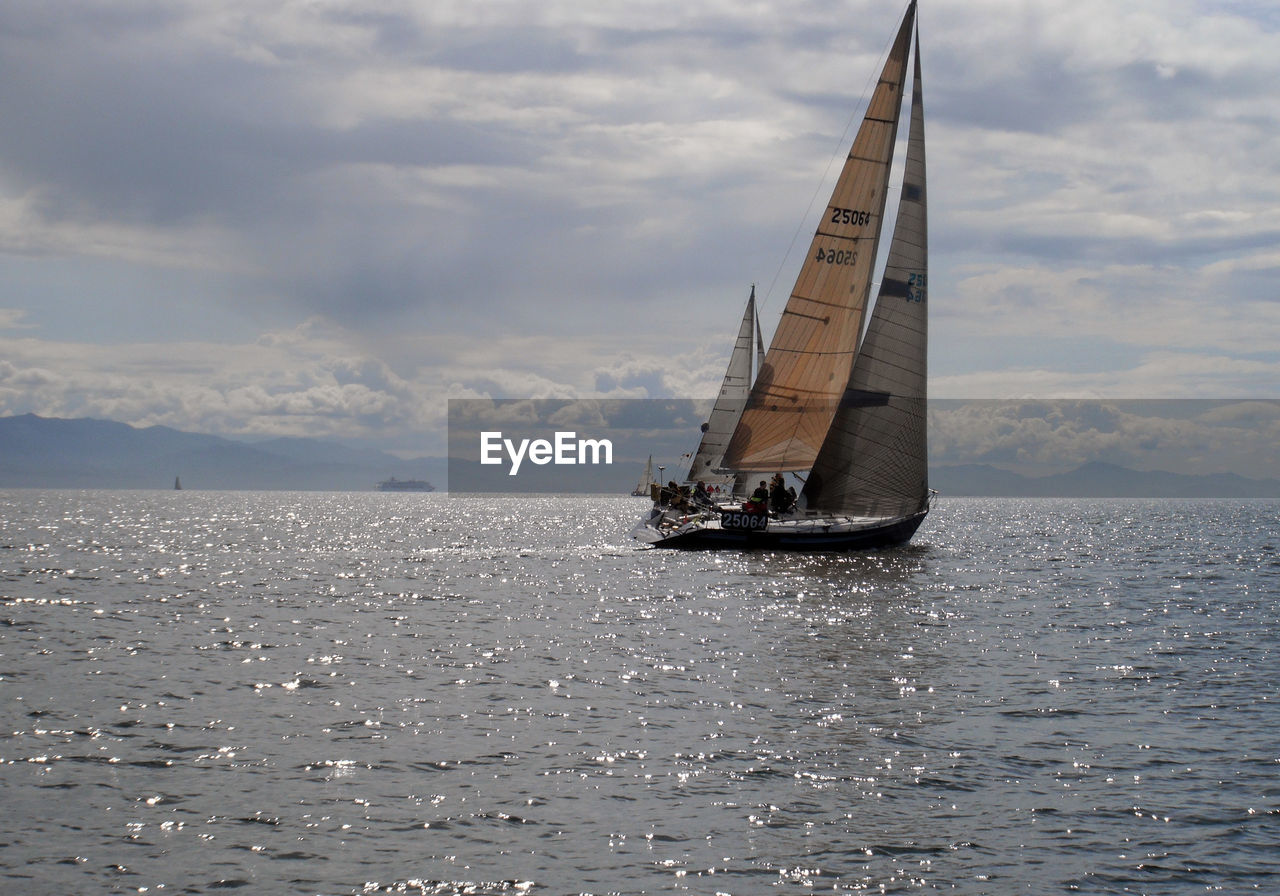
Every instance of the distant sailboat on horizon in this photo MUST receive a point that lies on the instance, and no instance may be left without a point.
(177, 483)
(646, 480)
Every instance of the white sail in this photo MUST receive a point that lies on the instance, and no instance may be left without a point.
(874, 459)
(642, 487)
(735, 387)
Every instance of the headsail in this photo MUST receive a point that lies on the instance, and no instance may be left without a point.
(874, 460)
(729, 403)
(807, 367)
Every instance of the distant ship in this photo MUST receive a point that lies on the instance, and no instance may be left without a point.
(405, 485)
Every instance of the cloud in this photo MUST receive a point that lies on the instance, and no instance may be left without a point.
(12, 319)
(286, 384)
(13, 378)
(327, 218)
(1051, 436)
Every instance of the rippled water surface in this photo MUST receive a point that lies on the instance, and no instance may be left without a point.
(350, 693)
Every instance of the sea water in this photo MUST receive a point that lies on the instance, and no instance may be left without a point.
(207, 692)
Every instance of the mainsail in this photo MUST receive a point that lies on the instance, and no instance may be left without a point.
(873, 462)
(805, 372)
(734, 389)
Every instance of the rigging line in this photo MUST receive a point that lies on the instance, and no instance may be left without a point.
(864, 101)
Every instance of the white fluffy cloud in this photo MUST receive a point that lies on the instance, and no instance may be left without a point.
(1185, 436)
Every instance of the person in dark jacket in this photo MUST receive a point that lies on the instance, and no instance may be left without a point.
(779, 500)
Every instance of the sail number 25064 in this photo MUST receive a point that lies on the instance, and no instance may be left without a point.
(849, 216)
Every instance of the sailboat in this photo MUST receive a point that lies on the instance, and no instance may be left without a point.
(840, 406)
(643, 486)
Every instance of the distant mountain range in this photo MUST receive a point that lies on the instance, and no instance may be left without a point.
(39, 452)
(1097, 480)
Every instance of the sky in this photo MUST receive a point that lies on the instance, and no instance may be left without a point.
(325, 218)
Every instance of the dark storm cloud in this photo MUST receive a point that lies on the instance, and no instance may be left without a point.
(118, 126)
(138, 118)
(101, 138)
(127, 119)
(163, 133)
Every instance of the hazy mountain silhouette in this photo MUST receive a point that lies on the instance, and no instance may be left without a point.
(1097, 480)
(87, 453)
(39, 452)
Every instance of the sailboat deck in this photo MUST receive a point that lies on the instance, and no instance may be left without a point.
(804, 531)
